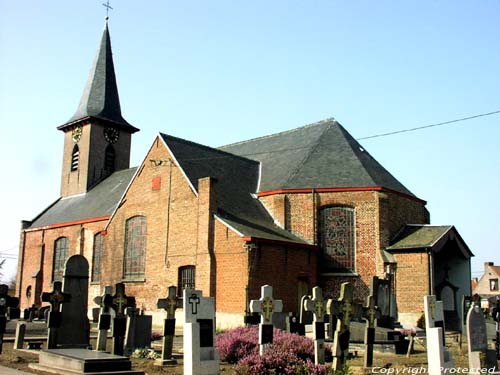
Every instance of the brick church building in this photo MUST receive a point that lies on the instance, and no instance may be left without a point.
(305, 207)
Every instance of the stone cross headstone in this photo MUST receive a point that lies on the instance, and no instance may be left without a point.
(317, 306)
(120, 301)
(104, 323)
(20, 332)
(169, 304)
(200, 355)
(344, 309)
(56, 298)
(370, 313)
(6, 301)
(438, 358)
(265, 306)
(74, 321)
(481, 358)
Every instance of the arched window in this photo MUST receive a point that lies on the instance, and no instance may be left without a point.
(186, 278)
(337, 238)
(135, 247)
(60, 255)
(75, 156)
(109, 159)
(97, 256)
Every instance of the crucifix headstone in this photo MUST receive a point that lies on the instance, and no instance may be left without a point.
(120, 301)
(266, 306)
(317, 306)
(169, 304)
(481, 358)
(105, 302)
(6, 301)
(344, 309)
(370, 313)
(200, 355)
(56, 298)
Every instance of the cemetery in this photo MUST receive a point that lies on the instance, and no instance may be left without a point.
(332, 336)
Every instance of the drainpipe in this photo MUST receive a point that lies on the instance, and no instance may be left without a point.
(431, 271)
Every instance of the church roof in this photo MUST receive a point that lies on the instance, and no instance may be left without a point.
(237, 178)
(100, 98)
(99, 202)
(320, 155)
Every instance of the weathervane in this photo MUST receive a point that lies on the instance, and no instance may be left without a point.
(108, 7)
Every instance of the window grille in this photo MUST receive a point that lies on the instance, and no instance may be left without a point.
(96, 261)
(109, 159)
(337, 238)
(75, 156)
(186, 278)
(60, 255)
(135, 247)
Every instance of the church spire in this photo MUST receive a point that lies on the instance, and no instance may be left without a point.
(100, 98)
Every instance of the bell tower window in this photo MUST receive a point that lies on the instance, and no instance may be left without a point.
(109, 159)
(75, 156)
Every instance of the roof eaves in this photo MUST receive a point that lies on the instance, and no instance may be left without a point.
(228, 225)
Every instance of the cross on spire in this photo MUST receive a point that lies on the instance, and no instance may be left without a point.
(108, 7)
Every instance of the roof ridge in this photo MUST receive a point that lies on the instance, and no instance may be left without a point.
(208, 148)
(317, 123)
(309, 153)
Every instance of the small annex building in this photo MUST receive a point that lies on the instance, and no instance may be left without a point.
(305, 207)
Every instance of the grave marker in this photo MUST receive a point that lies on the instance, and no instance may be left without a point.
(200, 355)
(265, 306)
(104, 323)
(6, 301)
(20, 332)
(56, 298)
(120, 302)
(139, 329)
(370, 313)
(480, 357)
(317, 306)
(169, 304)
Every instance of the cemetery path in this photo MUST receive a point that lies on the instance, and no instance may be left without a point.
(11, 371)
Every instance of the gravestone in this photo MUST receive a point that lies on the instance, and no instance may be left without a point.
(20, 332)
(120, 301)
(266, 306)
(169, 304)
(200, 355)
(438, 358)
(139, 329)
(74, 321)
(316, 305)
(344, 309)
(382, 294)
(481, 358)
(105, 303)
(56, 298)
(370, 313)
(6, 301)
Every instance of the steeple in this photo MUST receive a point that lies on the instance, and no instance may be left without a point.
(100, 100)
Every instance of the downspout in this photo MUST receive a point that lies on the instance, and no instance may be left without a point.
(315, 236)
(167, 263)
(431, 271)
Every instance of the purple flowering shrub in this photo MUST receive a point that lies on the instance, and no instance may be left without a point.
(289, 354)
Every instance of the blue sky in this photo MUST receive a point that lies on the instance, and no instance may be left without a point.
(218, 72)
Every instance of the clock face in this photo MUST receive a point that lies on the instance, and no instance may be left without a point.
(111, 135)
(76, 134)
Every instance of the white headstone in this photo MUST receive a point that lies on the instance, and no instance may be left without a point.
(200, 355)
(317, 305)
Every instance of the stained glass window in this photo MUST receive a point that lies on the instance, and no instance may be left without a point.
(186, 278)
(337, 238)
(135, 247)
(96, 261)
(60, 255)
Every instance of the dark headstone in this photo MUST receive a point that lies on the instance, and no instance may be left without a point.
(266, 333)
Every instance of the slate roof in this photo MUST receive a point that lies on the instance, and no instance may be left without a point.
(98, 202)
(422, 236)
(237, 179)
(100, 98)
(320, 155)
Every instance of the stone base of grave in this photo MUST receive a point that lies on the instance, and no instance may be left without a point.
(83, 362)
(165, 362)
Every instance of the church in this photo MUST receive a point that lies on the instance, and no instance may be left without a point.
(304, 207)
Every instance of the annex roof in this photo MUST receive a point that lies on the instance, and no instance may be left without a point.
(237, 179)
(100, 98)
(432, 237)
(98, 202)
(320, 155)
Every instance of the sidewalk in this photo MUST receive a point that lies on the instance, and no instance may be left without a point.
(11, 371)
